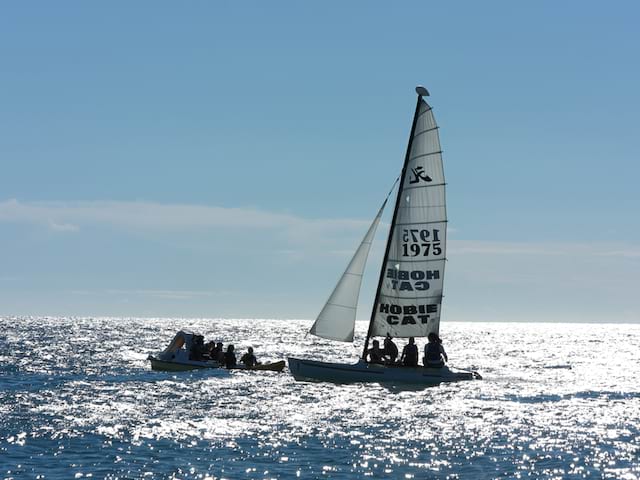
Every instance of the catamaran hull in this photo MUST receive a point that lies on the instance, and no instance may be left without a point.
(315, 371)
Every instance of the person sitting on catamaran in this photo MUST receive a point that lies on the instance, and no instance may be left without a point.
(409, 357)
(434, 354)
(230, 357)
(249, 359)
(376, 354)
(390, 350)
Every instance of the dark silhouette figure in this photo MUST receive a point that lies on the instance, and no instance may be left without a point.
(390, 350)
(230, 357)
(409, 357)
(434, 354)
(376, 354)
(249, 359)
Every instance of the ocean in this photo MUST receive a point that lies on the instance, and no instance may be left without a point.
(78, 400)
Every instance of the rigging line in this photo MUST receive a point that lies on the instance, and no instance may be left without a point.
(392, 187)
(385, 202)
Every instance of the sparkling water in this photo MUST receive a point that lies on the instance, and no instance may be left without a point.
(78, 400)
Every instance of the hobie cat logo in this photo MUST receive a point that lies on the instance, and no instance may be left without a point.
(418, 174)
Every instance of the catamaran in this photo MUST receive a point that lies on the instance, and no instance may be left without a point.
(408, 298)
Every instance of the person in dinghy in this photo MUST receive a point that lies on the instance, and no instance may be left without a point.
(249, 360)
(198, 349)
(230, 357)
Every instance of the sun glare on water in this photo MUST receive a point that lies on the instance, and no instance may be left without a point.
(81, 392)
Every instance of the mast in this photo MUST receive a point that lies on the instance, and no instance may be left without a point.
(421, 91)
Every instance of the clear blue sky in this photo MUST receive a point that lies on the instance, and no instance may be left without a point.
(223, 159)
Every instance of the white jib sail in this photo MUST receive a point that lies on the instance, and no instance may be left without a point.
(337, 319)
(410, 297)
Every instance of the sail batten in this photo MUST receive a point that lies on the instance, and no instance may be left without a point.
(397, 260)
(426, 131)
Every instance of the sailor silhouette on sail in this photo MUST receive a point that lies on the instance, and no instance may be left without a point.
(418, 174)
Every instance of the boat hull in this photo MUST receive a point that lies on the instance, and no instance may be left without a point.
(173, 366)
(312, 370)
(170, 366)
(270, 367)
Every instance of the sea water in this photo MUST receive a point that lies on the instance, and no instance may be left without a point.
(78, 400)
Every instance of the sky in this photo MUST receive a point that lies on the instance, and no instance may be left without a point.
(224, 159)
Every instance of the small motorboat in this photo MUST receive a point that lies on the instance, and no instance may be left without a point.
(176, 356)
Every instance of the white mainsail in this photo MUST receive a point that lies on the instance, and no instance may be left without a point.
(337, 319)
(409, 296)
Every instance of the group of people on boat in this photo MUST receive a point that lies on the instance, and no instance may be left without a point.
(434, 353)
(215, 351)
